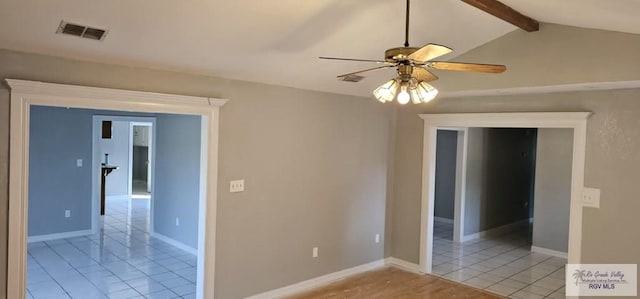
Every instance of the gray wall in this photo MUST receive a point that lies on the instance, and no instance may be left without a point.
(177, 180)
(315, 167)
(476, 180)
(552, 198)
(139, 164)
(446, 153)
(118, 149)
(500, 174)
(58, 138)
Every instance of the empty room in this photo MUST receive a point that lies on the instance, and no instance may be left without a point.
(319, 149)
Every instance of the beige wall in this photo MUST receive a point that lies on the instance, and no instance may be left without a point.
(315, 166)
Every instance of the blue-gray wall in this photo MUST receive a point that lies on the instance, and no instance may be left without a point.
(59, 137)
(118, 149)
(177, 177)
(445, 191)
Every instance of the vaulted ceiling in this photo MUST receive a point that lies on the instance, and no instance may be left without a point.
(278, 42)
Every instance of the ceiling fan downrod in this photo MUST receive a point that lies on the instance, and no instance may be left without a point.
(406, 32)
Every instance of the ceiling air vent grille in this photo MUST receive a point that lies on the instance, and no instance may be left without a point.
(81, 31)
(351, 78)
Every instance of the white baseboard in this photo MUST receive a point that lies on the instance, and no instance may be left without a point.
(175, 243)
(496, 231)
(402, 264)
(443, 220)
(49, 237)
(550, 252)
(318, 281)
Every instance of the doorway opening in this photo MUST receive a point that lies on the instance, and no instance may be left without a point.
(26, 95)
(133, 248)
(516, 214)
(140, 154)
(464, 258)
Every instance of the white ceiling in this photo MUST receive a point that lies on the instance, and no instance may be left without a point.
(277, 42)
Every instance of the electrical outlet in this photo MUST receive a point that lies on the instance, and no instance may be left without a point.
(236, 186)
(79, 163)
(67, 213)
(377, 238)
(591, 197)
(177, 221)
(314, 252)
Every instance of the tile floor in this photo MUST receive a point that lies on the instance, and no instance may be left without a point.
(503, 265)
(139, 188)
(123, 261)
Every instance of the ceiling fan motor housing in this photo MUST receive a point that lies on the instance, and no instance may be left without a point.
(405, 72)
(398, 54)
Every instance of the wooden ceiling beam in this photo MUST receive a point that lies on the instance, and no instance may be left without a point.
(506, 13)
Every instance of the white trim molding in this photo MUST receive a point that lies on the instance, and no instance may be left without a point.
(550, 252)
(432, 122)
(175, 243)
(318, 281)
(403, 265)
(56, 236)
(25, 94)
(543, 89)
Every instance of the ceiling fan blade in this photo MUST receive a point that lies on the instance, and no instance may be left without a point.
(423, 75)
(467, 67)
(429, 52)
(354, 59)
(367, 70)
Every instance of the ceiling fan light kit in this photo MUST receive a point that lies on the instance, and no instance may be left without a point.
(414, 91)
(413, 65)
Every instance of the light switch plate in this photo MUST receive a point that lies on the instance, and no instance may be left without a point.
(591, 197)
(79, 163)
(236, 186)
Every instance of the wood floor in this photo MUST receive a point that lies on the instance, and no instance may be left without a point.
(394, 283)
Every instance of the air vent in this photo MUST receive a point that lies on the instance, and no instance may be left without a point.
(351, 78)
(81, 31)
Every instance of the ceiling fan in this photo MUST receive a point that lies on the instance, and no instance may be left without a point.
(413, 65)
